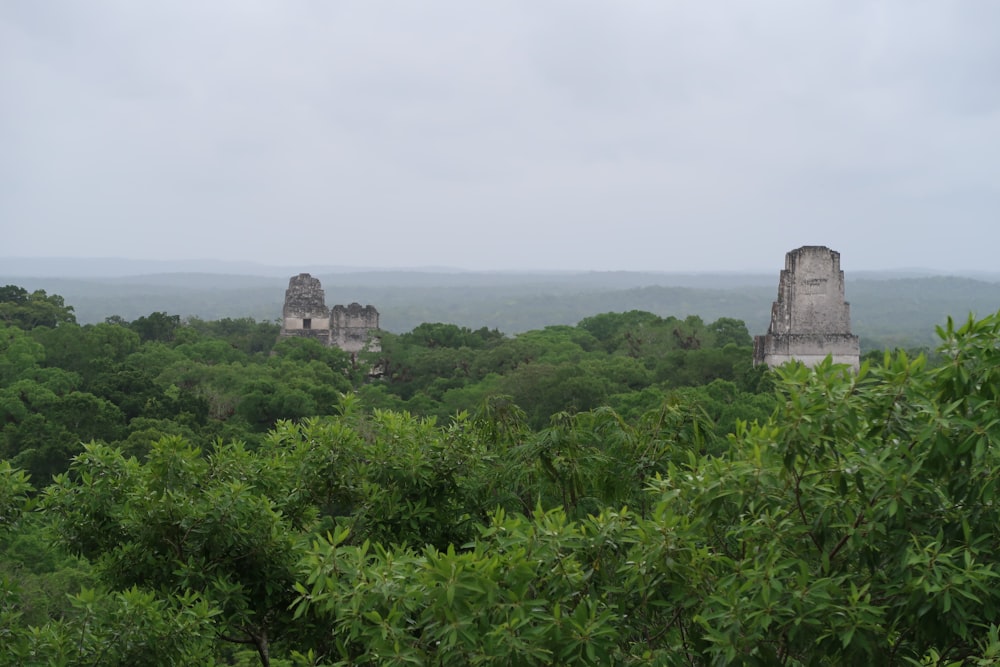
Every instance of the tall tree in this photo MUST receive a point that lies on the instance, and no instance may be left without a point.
(37, 309)
(183, 522)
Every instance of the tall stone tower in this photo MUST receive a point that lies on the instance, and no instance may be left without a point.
(305, 312)
(353, 328)
(810, 320)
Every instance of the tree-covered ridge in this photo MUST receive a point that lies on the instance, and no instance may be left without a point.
(887, 309)
(855, 522)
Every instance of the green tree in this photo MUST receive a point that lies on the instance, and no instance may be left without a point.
(130, 627)
(266, 402)
(28, 311)
(14, 490)
(45, 421)
(727, 330)
(220, 525)
(394, 478)
(243, 333)
(857, 526)
(450, 335)
(20, 355)
(89, 350)
(156, 326)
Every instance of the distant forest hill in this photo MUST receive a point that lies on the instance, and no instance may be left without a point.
(887, 309)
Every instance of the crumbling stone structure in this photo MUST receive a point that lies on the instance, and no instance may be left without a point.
(352, 328)
(810, 320)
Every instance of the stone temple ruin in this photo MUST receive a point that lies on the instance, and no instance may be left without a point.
(352, 328)
(810, 320)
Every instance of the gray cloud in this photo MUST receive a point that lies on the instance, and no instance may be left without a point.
(583, 135)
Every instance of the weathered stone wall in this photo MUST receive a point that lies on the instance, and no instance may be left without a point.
(810, 349)
(305, 313)
(810, 320)
(305, 298)
(811, 294)
(352, 328)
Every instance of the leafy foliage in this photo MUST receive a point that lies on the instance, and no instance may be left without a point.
(857, 527)
(183, 522)
(627, 491)
(28, 311)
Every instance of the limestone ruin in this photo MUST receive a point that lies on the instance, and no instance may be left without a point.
(810, 320)
(352, 328)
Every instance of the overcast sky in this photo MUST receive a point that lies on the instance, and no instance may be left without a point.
(616, 135)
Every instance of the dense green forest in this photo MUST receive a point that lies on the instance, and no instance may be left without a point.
(626, 490)
(128, 383)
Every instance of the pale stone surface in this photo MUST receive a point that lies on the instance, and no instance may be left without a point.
(353, 328)
(810, 320)
(305, 312)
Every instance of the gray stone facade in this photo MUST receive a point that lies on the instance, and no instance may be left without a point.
(810, 320)
(352, 328)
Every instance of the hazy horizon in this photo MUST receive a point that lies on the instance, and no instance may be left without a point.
(122, 267)
(647, 136)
